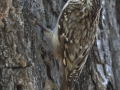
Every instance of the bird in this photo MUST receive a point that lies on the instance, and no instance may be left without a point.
(73, 37)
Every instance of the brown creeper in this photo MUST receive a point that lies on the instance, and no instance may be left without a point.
(73, 37)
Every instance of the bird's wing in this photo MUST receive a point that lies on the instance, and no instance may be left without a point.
(76, 34)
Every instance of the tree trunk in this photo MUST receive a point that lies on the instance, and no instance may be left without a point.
(26, 58)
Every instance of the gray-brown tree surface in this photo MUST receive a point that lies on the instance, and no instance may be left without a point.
(27, 61)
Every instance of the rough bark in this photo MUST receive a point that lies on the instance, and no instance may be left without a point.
(27, 61)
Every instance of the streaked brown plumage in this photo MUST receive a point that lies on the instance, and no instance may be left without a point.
(73, 38)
